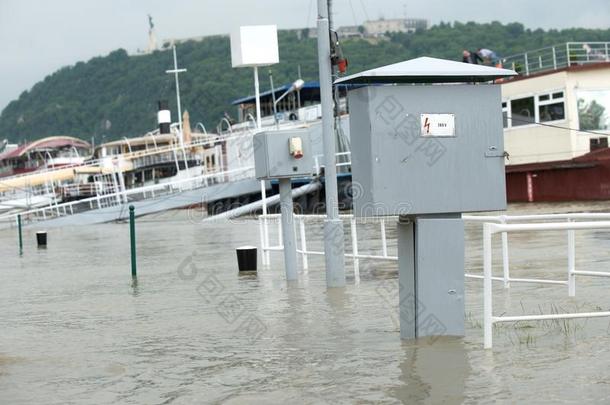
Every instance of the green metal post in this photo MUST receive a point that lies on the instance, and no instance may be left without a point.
(132, 234)
(20, 235)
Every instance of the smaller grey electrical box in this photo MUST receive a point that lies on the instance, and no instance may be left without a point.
(283, 154)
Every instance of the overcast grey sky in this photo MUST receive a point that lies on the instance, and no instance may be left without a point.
(38, 37)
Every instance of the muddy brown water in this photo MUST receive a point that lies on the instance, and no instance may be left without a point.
(75, 329)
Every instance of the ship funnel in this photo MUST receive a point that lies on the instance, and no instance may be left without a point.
(164, 117)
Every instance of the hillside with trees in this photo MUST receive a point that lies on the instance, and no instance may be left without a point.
(115, 95)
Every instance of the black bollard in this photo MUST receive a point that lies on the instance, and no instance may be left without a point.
(246, 258)
(41, 238)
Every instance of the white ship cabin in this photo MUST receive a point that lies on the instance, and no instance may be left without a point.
(559, 106)
(54, 151)
(155, 158)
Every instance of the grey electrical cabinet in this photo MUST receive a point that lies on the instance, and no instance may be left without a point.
(427, 145)
(427, 149)
(426, 139)
(283, 154)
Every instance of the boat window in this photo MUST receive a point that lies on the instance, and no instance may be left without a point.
(551, 112)
(505, 114)
(522, 111)
(551, 107)
(593, 110)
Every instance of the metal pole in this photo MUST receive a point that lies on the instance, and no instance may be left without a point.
(571, 264)
(266, 258)
(277, 124)
(258, 98)
(176, 71)
(177, 90)
(20, 234)
(303, 244)
(262, 237)
(334, 245)
(505, 268)
(384, 243)
(505, 263)
(288, 235)
(299, 91)
(132, 235)
(487, 288)
(355, 251)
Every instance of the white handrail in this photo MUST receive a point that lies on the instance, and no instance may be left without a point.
(559, 56)
(489, 229)
(138, 190)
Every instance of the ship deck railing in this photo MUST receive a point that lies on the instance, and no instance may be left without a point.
(558, 57)
(113, 196)
(149, 151)
(492, 224)
(139, 158)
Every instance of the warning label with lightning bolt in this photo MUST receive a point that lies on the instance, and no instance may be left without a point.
(437, 125)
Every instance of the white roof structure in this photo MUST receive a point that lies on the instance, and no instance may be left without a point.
(428, 70)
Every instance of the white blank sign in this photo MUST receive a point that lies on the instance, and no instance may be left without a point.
(254, 45)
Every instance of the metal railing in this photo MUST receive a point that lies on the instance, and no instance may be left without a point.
(506, 219)
(557, 57)
(304, 251)
(489, 229)
(174, 151)
(491, 225)
(117, 196)
(346, 155)
(506, 278)
(212, 139)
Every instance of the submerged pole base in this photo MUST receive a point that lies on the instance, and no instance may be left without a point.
(334, 253)
(288, 234)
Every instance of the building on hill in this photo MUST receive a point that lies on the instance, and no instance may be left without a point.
(351, 31)
(376, 28)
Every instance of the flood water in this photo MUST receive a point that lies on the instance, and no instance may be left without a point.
(75, 330)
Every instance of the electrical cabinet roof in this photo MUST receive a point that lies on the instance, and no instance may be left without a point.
(428, 70)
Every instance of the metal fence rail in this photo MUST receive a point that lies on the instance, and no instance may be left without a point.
(135, 194)
(355, 255)
(506, 278)
(489, 229)
(571, 247)
(491, 225)
(558, 56)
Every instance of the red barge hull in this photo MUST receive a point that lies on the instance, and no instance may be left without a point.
(586, 177)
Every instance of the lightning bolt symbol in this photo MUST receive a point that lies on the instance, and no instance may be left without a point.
(427, 125)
